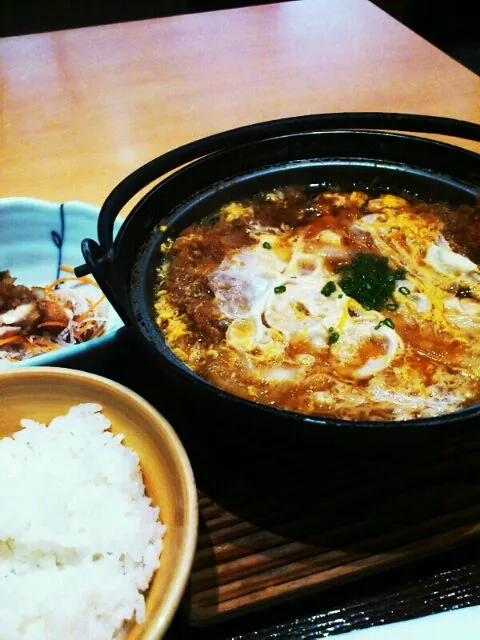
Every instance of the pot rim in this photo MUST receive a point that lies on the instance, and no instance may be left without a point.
(379, 122)
(442, 420)
(95, 253)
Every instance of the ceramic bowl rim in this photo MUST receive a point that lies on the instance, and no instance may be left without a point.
(161, 618)
(54, 358)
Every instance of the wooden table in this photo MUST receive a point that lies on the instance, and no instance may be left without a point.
(83, 108)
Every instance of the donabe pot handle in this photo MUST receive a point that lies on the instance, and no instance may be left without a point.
(101, 268)
(155, 169)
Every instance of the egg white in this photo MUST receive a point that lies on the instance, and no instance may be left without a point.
(271, 303)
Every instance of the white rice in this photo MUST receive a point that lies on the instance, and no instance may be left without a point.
(79, 541)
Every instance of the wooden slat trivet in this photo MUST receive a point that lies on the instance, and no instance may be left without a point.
(455, 586)
(282, 520)
(267, 535)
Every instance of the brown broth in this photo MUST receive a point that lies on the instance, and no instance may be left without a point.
(430, 351)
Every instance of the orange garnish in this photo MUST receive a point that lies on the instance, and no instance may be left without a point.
(84, 279)
(52, 285)
(51, 324)
(12, 339)
(43, 343)
(86, 313)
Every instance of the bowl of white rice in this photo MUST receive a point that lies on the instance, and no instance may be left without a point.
(98, 510)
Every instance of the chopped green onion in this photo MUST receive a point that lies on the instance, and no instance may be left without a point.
(329, 288)
(405, 290)
(387, 322)
(370, 280)
(333, 337)
(280, 289)
(266, 245)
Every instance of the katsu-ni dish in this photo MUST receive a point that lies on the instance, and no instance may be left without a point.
(351, 305)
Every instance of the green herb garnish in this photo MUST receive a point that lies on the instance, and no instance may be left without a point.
(280, 289)
(370, 280)
(405, 290)
(333, 337)
(329, 288)
(266, 245)
(387, 322)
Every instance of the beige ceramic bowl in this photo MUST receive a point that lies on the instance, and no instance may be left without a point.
(41, 393)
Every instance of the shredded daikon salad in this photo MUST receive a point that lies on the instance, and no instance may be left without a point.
(37, 320)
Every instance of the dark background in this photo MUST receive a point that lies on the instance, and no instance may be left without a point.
(451, 26)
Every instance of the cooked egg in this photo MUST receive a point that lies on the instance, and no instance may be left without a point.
(281, 314)
(365, 334)
(445, 261)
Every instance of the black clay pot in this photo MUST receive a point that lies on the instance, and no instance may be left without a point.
(350, 151)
